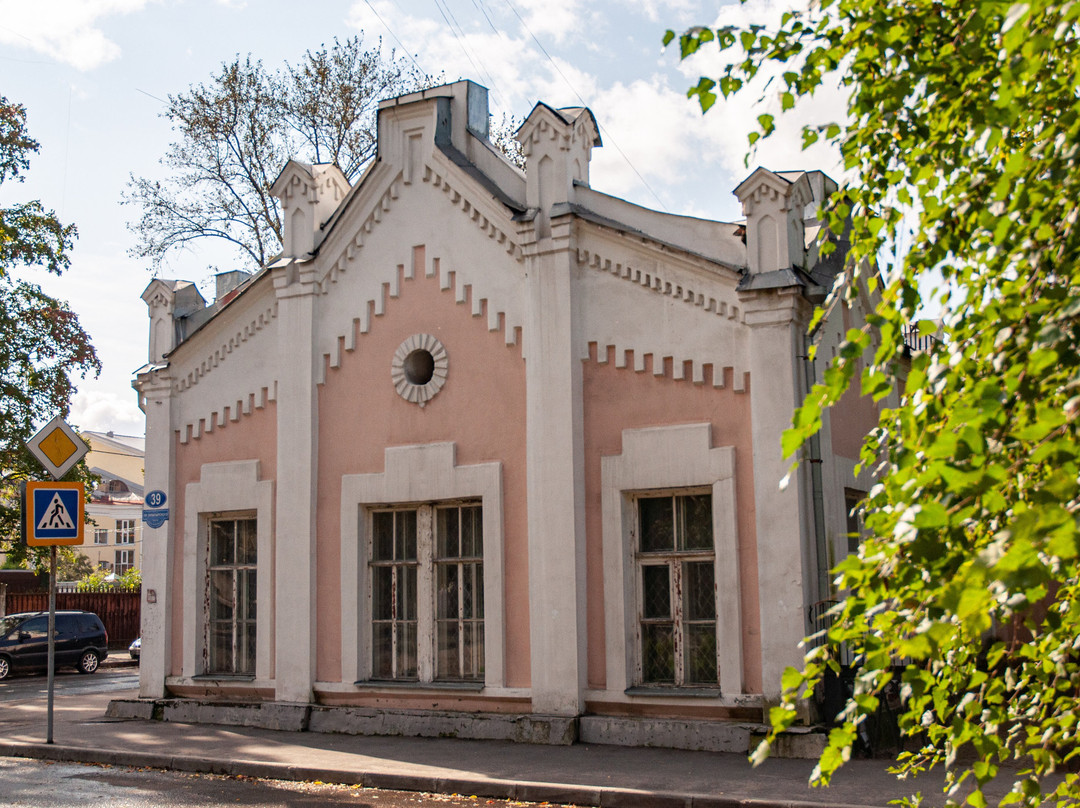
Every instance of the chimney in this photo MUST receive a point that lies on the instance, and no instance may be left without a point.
(226, 282)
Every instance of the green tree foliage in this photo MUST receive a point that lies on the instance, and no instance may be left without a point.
(961, 140)
(235, 133)
(101, 580)
(72, 565)
(42, 346)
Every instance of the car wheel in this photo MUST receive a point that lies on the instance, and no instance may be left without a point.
(5, 667)
(88, 662)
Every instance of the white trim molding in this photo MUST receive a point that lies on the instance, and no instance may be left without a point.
(231, 488)
(668, 457)
(417, 474)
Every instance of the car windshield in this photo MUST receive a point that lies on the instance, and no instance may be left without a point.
(8, 623)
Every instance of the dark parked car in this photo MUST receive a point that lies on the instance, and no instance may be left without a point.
(81, 641)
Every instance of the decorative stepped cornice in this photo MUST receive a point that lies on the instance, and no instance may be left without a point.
(220, 354)
(383, 205)
(375, 216)
(231, 410)
(376, 307)
(460, 200)
(651, 280)
(195, 429)
(664, 364)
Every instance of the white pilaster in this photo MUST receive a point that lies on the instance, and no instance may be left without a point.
(155, 391)
(776, 322)
(557, 147)
(297, 467)
(555, 470)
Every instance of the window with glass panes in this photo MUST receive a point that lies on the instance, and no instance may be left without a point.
(393, 594)
(125, 531)
(233, 545)
(853, 503)
(459, 581)
(125, 560)
(438, 549)
(676, 590)
(101, 535)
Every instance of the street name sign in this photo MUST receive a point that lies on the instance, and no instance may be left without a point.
(155, 517)
(156, 514)
(54, 513)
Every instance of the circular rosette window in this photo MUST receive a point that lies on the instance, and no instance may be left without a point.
(419, 368)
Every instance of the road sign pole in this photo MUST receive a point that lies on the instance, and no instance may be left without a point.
(57, 518)
(52, 639)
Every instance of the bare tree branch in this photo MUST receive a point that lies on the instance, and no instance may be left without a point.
(235, 132)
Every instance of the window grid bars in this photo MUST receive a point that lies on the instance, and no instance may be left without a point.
(676, 617)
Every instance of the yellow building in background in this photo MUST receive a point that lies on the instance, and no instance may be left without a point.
(114, 536)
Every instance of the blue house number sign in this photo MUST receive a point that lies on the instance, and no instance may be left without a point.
(155, 514)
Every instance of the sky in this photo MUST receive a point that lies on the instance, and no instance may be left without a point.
(93, 76)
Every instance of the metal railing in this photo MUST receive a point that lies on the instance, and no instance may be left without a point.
(821, 620)
(915, 342)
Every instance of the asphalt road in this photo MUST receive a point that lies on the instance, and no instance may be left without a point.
(40, 784)
(23, 687)
(45, 784)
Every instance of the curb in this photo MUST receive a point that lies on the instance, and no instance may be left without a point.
(598, 797)
(115, 660)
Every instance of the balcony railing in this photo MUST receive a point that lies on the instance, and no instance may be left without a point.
(821, 620)
(914, 342)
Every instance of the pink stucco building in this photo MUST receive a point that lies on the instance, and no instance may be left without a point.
(492, 453)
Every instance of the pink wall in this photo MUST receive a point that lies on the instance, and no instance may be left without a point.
(618, 399)
(253, 437)
(481, 408)
(851, 418)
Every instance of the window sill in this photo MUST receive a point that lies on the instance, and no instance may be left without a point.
(678, 692)
(393, 684)
(223, 677)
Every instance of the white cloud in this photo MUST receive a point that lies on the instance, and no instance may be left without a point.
(65, 30)
(731, 120)
(103, 289)
(672, 13)
(559, 84)
(685, 157)
(505, 63)
(650, 127)
(544, 18)
(102, 411)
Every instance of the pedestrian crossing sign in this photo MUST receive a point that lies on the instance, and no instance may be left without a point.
(54, 513)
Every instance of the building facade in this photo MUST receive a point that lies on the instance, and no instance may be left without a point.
(492, 453)
(113, 539)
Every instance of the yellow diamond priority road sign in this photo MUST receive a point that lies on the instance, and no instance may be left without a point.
(57, 447)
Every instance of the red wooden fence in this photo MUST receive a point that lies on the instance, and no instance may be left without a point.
(119, 611)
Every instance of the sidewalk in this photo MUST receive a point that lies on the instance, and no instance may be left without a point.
(605, 776)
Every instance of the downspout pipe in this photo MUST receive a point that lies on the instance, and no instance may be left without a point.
(817, 492)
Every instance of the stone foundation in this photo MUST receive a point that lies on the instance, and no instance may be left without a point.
(541, 729)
